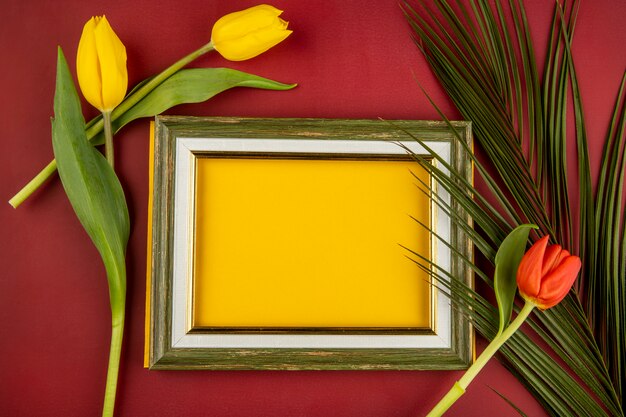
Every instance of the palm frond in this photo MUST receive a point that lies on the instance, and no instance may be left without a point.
(607, 300)
(564, 321)
(483, 56)
(509, 402)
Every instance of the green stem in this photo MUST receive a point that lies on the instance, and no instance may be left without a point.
(108, 138)
(97, 127)
(133, 99)
(459, 387)
(34, 184)
(446, 402)
(117, 332)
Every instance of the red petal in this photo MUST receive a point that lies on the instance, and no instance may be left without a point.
(557, 283)
(529, 270)
(564, 255)
(550, 257)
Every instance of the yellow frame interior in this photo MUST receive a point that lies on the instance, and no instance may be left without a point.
(310, 243)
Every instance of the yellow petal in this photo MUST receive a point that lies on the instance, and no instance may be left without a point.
(88, 66)
(252, 44)
(248, 33)
(235, 25)
(112, 56)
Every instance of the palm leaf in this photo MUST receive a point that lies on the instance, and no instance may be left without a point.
(509, 402)
(483, 56)
(607, 300)
(575, 354)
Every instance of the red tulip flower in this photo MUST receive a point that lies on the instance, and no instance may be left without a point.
(546, 274)
(544, 277)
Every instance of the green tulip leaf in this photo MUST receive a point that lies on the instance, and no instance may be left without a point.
(190, 86)
(508, 259)
(90, 184)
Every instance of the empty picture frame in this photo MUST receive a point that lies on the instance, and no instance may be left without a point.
(287, 244)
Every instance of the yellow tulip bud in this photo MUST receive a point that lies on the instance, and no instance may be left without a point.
(243, 35)
(101, 65)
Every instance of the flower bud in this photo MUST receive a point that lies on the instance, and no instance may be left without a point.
(245, 34)
(101, 65)
(546, 274)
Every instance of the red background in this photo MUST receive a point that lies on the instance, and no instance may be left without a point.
(352, 59)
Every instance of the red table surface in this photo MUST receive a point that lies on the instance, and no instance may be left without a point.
(351, 59)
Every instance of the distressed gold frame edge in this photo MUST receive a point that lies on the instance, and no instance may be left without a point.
(163, 356)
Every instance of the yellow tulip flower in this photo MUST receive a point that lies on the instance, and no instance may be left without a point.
(101, 65)
(245, 34)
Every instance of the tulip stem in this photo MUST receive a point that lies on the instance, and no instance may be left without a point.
(108, 138)
(96, 128)
(459, 387)
(117, 332)
(33, 184)
(134, 98)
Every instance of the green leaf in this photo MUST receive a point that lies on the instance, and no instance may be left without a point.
(508, 258)
(163, 92)
(190, 86)
(91, 185)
